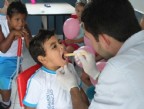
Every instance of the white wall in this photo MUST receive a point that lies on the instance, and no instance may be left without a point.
(138, 5)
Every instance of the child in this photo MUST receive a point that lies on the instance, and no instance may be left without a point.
(74, 44)
(44, 90)
(12, 27)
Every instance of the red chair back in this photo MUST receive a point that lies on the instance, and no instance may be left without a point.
(22, 79)
(74, 16)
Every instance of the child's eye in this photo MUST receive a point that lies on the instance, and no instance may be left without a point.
(54, 46)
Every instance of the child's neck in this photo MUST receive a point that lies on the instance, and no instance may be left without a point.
(54, 68)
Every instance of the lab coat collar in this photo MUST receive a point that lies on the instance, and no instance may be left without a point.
(134, 40)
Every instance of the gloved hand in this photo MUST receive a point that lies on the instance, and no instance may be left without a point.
(66, 77)
(88, 62)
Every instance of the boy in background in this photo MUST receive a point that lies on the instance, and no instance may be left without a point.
(12, 27)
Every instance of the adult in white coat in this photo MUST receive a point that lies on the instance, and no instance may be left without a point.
(116, 35)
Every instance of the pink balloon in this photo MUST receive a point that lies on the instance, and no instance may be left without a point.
(87, 42)
(88, 49)
(100, 66)
(71, 28)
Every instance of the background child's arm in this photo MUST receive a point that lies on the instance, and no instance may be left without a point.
(71, 41)
(5, 43)
(80, 40)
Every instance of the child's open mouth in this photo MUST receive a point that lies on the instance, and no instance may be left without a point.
(63, 57)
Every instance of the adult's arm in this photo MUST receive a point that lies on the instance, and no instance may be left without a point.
(69, 81)
(77, 101)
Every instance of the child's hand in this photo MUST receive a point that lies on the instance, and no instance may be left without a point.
(25, 33)
(69, 41)
(16, 34)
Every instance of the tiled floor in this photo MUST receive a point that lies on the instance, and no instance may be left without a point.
(27, 62)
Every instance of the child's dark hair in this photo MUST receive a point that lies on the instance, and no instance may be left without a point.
(36, 44)
(15, 8)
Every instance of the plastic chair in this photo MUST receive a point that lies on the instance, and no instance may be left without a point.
(22, 79)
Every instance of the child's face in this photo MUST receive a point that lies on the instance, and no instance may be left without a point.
(17, 21)
(54, 51)
(79, 9)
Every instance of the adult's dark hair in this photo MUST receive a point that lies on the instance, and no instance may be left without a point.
(113, 17)
(36, 44)
(15, 8)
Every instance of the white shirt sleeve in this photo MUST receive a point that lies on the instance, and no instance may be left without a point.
(33, 93)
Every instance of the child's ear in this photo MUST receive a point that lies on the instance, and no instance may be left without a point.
(41, 59)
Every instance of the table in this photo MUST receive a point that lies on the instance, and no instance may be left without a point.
(50, 9)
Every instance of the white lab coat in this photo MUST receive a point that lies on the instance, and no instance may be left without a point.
(121, 83)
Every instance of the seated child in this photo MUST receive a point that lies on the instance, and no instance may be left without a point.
(12, 27)
(43, 89)
(74, 44)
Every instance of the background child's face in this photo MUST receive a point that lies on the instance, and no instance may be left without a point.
(54, 54)
(17, 21)
(79, 9)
